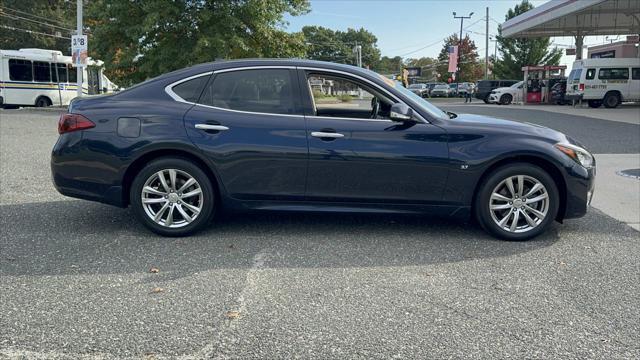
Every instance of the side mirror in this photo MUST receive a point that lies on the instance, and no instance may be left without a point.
(401, 112)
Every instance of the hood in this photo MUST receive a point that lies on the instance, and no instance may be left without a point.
(496, 125)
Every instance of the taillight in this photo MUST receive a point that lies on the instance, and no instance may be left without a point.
(581, 87)
(73, 122)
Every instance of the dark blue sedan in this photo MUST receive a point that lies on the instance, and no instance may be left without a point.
(311, 136)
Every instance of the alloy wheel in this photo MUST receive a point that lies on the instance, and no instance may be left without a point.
(172, 198)
(519, 203)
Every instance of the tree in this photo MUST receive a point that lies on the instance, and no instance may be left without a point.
(388, 65)
(44, 24)
(142, 39)
(517, 53)
(337, 46)
(470, 69)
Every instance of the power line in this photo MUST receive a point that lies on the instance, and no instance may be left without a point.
(32, 15)
(33, 32)
(16, 17)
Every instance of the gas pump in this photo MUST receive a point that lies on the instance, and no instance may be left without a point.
(538, 81)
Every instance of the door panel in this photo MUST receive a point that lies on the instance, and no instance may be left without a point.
(376, 161)
(258, 157)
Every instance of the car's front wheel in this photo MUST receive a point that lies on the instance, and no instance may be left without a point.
(517, 202)
(172, 197)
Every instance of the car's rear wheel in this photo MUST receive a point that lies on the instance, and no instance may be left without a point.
(517, 202)
(486, 99)
(506, 99)
(172, 197)
(42, 102)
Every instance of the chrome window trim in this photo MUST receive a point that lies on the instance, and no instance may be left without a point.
(169, 88)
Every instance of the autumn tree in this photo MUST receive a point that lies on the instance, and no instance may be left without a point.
(470, 69)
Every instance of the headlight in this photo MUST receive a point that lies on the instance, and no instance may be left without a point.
(580, 155)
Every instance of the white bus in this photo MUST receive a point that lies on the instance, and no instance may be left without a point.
(605, 82)
(40, 77)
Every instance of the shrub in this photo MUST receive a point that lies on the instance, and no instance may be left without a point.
(317, 94)
(344, 98)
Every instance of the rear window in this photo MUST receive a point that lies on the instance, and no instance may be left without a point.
(20, 70)
(190, 90)
(614, 74)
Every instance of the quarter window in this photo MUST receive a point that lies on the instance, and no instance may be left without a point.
(614, 74)
(190, 90)
(635, 74)
(591, 74)
(20, 70)
(262, 91)
(41, 71)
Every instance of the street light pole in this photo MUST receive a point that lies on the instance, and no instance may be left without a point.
(460, 45)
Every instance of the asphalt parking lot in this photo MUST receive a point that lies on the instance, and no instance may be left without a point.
(75, 279)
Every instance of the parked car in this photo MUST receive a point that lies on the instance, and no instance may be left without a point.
(558, 92)
(505, 95)
(430, 86)
(419, 89)
(441, 90)
(484, 87)
(604, 81)
(250, 135)
(454, 89)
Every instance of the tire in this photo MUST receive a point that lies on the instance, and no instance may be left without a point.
(42, 102)
(506, 99)
(486, 99)
(176, 204)
(595, 103)
(611, 100)
(496, 182)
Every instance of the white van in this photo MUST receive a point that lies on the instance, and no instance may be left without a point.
(604, 81)
(41, 77)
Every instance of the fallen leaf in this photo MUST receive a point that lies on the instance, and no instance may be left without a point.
(232, 314)
(154, 270)
(157, 290)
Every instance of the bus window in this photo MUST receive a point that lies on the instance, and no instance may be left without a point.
(73, 74)
(62, 72)
(41, 71)
(20, 70)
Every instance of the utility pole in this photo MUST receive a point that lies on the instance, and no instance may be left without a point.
(460, 46)
(486, 47)
(79, 32)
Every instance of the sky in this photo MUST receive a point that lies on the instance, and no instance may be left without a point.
(417, 28)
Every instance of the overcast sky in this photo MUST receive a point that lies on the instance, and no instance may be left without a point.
(416, 28)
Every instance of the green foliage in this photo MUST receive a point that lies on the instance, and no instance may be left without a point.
(337, 46)
(345, 98)
(388, 65)
(470, 68)
(517, 53)
(142, 39)
(58, 20)
(317, 94)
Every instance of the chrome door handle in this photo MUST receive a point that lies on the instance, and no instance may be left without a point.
(211, 127)
(320, 134)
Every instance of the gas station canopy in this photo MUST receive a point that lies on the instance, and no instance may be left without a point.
(576, 18)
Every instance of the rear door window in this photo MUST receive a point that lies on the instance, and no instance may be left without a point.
(20, 70)
(260, 90)
(614, 74)
(635, 74)
(591, 74)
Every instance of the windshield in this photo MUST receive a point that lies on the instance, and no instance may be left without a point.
(415, 86)
(441, 87)
(517, 85)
